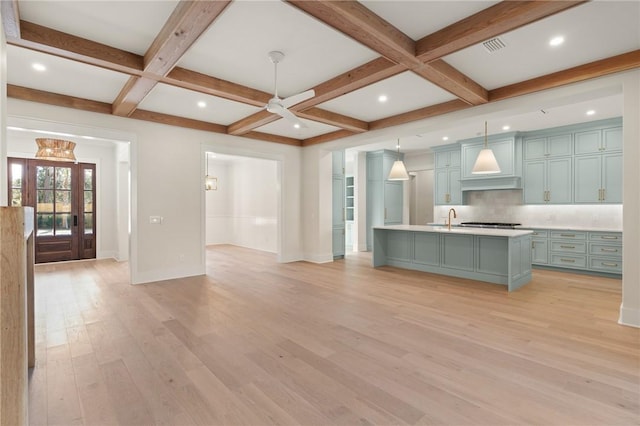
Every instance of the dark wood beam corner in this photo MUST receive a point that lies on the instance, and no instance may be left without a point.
(133, 92)
(453, 81)
(251, 122)
(10, 18)
(334, 119)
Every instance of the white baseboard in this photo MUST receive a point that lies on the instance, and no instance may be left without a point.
(318, 258)
(630, 317)
(169, 274)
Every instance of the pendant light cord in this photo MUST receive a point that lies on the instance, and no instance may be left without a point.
(486, 145)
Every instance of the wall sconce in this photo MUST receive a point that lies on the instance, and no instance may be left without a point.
(210, 182)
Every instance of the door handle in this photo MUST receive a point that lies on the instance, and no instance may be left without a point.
(75, 220)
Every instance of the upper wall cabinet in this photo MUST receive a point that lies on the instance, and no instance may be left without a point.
(599, 141)
(447, 175)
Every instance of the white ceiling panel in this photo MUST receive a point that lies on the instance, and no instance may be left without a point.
(284, 128)
(592, 31)
(184, 103)
(420, 18)
(62, 76)
(235, 48)
(405, 92)
(127, 25)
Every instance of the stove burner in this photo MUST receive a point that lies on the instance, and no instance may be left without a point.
(498, 225)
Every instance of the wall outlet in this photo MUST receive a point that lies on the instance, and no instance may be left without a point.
(155, 220)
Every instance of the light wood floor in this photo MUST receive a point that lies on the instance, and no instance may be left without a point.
(261, 343)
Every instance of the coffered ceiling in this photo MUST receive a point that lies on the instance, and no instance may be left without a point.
(156, 60)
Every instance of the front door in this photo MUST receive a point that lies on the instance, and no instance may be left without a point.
(63, 197)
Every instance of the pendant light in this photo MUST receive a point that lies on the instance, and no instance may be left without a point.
(210, 182)
(55, 149)
(398, 170)
(486, 162)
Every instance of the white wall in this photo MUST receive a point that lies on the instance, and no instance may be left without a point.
(317, 204)
(243, 210)
(167, 174)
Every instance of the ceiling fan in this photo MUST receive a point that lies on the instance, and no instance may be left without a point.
(279, 106)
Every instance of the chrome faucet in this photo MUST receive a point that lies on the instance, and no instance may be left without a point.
(454, 216)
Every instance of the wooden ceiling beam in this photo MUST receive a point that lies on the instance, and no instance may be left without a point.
(486, 24)
(327, 137)
(40, 96)
(192, 80)
(173, 120)
(334, 119)
(10, 18)
(600, 68)
(185, 25)
(47, 40)
(255, 120)
(268, 137)
(420, 114)
(361, 24)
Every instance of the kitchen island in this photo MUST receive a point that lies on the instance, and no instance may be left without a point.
(499, 256)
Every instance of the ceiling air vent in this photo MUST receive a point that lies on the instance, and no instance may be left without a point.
(494, 45)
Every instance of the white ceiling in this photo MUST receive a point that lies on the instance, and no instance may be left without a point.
(235, 48)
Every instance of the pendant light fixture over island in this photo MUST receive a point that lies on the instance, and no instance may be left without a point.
(398, 170)
(486, 162)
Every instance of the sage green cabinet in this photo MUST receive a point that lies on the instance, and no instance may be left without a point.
(536, 148)
(598, 140)
(447, 175)
(504, 150)
(540, 247)
(598, 178)
(548, 181)
(384, 198)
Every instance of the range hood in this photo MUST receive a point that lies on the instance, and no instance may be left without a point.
(491, 183)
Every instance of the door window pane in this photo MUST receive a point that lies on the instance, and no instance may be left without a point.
(88, 179)
(88, 223)
(16, 176)
(63, 201)
(88, 201)
(63, 177)
(63, 224)
(44, 177)
(45, 201)
(45, 224)
(16, 197)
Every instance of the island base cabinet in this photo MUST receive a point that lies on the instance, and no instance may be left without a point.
(494, 259)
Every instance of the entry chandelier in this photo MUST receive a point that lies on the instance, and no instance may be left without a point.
(55, 149)
(398, 170)
(486, 162)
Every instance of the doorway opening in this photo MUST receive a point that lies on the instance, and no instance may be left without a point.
(242, 202)
(63, 196)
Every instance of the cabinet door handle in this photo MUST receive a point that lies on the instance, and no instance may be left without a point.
(568, 247)
(609, 250)
(609, 237)
(568, 260)
(609, 264)
(385, 213)
(604, 195)
(568, 235)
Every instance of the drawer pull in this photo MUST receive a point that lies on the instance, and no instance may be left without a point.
(609, 264)
(568, 235)
(569, 247)
(609, 250)
(608, 237)
(535, 233)
(568, 260)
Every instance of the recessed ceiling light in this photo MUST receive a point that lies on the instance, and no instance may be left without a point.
(591, 112)
(202, 104)
(382, 98)
(556, 41)
(506, 127)
(445, 138)
(38, 67)
(297, 125)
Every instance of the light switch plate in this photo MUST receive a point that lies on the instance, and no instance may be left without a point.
(155, 220)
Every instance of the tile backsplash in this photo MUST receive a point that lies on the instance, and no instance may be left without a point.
(507, 206)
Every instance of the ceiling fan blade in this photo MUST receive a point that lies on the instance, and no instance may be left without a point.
(291, 117)
(296, 99)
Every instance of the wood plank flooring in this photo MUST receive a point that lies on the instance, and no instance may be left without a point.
(260, 343)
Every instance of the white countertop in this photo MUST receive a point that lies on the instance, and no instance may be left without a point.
(458, 230)
(572, 228)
